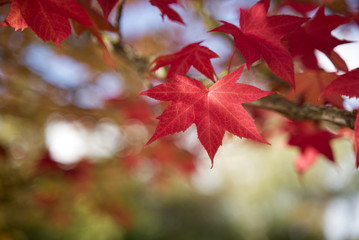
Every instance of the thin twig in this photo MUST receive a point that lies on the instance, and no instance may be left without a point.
(118, 16)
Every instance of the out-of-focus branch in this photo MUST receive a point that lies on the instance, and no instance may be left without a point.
(119, 15)
(4, 2)
(126, 52)
(306, 111)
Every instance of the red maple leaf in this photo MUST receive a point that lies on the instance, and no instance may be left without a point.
(316, 34)
(165, 9)
(309, 85)
(260, 36)
(14, 18)
(192, 55)
(312, 141)
(347, 84)
(100, 23)
(212, 110)
(107, 6)
(49, 19)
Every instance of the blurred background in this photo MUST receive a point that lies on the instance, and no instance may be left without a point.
(72, 131)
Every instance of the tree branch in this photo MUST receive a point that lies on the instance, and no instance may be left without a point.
(306, 111)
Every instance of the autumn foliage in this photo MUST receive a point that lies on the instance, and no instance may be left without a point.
(257, 75)
(286, 44)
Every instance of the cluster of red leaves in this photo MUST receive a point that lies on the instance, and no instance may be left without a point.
(280, 40)
(316, 34)
(48, 19)
(260, 37)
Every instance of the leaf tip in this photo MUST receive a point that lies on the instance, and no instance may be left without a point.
(262, 140)
(149, 142)
(144, 93)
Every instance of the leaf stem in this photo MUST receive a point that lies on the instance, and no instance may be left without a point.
(230, 62)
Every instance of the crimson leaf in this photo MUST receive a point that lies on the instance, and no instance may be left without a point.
(192, 55)
(260, 36)
(212, 110)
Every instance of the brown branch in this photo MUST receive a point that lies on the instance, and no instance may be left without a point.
(4, 2)
(119, 15)
(306, 111)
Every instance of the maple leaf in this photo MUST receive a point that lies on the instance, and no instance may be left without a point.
(260, 36)
(212, 110)
(316, 34)
(100, 23)
(14, 18)
(165, 9)
(311, 141)
(346, 84)
(107, 6)
(310, 84)
(192, 55)
(49, 19)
